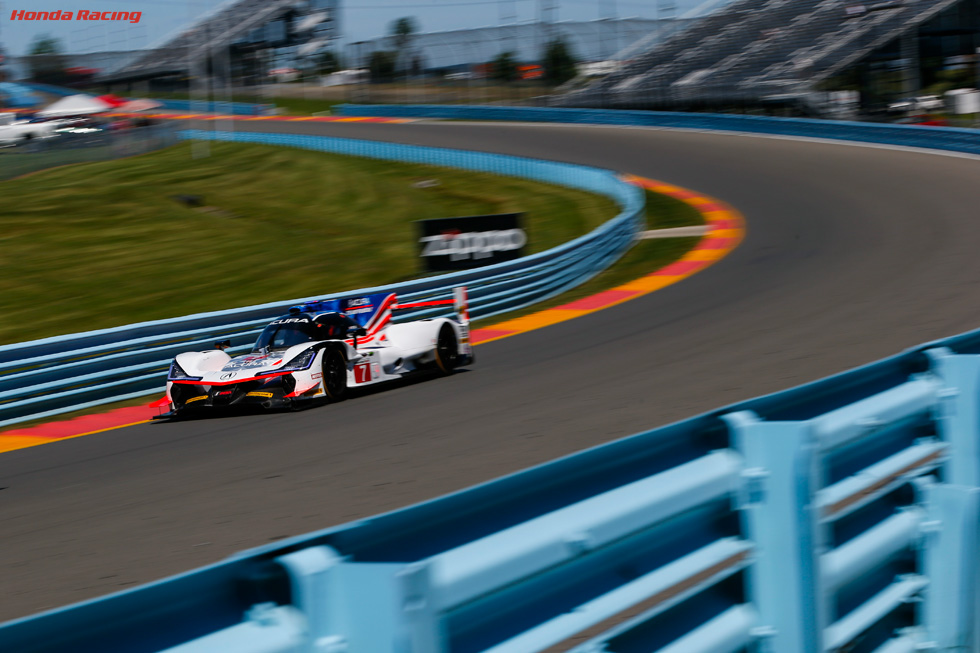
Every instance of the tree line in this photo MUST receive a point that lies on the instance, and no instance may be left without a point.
(557, 62)
(556, 66)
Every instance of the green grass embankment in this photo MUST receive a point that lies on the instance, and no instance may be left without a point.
(105, 244)
(644, 257)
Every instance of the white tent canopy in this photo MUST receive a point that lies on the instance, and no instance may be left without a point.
(74, 105)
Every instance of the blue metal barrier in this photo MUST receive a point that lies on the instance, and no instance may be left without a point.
(943, 138)
(842, 515)
(19, 96)
(51, 89)
(57, 375)
(217, 106)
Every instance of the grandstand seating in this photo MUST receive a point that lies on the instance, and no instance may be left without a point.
(754, 50)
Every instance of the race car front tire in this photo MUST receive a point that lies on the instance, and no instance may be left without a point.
(334, 368)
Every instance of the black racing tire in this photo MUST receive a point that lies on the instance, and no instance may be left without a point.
(334, 368)
(447, 350)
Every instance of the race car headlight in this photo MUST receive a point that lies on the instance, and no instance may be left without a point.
(178, 374)
(301, 362)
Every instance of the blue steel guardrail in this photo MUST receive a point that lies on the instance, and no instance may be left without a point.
(217, 106)
(943, 138)
(67, 149)
(842, 515)
(56, 375)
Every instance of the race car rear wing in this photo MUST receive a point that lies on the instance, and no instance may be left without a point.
(460, 303)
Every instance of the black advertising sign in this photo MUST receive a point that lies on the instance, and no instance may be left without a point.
(470, 242)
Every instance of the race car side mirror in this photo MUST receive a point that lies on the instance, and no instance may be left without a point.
(354, 331)
(222, 344)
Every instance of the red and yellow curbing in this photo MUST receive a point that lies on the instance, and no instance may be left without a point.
(216, 116)
(726, 229)
(75, 428)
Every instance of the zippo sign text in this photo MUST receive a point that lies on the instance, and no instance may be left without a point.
(471, 241)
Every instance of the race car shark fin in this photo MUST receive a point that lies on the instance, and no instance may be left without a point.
(461, 304)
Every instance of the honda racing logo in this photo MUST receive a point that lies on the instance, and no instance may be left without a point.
(104, 16)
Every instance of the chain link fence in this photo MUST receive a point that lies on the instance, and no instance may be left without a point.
(83, 143)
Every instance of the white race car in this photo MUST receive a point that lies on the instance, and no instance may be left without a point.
(318, 351)
(15, 131)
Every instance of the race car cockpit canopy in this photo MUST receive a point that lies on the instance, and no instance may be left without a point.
(363, 310)
(298, 328)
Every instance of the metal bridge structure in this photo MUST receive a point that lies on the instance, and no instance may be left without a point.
(238, 29)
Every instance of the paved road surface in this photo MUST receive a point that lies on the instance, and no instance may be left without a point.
(852, 254)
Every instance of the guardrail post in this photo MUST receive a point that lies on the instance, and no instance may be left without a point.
(950, 536)
(950, 549)
(958, 421)
(313, 576)
(778, 514)
(363, 607)
(418, 609)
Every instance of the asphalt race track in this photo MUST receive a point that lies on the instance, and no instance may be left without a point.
(852, 254)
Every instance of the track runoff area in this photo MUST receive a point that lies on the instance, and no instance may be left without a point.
(725, 230)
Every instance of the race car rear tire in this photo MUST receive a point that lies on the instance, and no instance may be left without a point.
(447, 350)
(334, 368)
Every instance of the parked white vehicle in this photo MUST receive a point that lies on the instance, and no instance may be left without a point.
(921, 103)
(14, 130)
(318, 351)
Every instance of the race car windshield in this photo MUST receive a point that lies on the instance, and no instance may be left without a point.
(283, 335)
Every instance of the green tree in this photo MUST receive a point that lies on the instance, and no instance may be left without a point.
(381, 65)
(45, 44)
(327, 63)
(47, 61)
(558, 63)
(947, 80)
(403, 32)
(504, 67)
